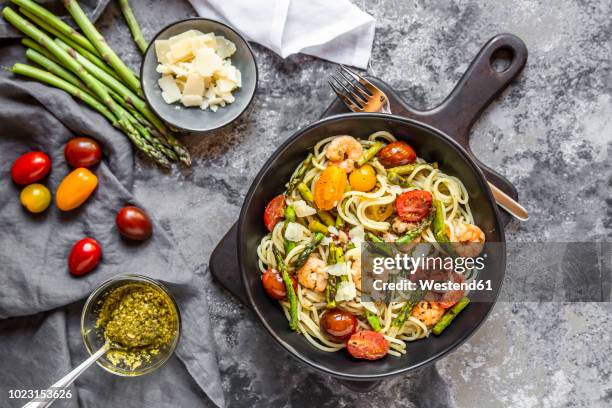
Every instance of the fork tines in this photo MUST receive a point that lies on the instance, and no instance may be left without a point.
(349, 87)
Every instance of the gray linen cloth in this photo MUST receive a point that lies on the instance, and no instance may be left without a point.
(40, 302)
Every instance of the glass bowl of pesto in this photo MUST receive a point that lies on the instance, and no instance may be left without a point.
(139, 316)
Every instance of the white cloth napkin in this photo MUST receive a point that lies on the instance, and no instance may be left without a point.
(335, 30)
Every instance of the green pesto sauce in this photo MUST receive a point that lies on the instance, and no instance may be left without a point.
(141, 319)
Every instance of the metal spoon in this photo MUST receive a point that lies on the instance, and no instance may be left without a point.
(69, 378)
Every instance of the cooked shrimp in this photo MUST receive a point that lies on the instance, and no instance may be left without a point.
(428, 312)
(312, 274)
(469, 240)
(343, 151)
(355, 258)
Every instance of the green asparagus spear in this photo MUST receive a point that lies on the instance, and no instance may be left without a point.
(326, 218)
(350, 246)
(299, 174)
(332, 281)
(339, 222)
(291, 296)
(450, 314)
(418, 230)
(340, 259)
(133, 25)
(290, 216)
(369, 154)
(379, 244)
(53, 80)
(98, 41)
(395, 178)
(409, 168)
(415, 297)
(88, 53)
(373, 320)
(439, 227)
(316, 226)
(309, 249)
(305, 192)
(55, 22)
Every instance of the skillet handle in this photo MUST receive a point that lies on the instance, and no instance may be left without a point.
(480, 84)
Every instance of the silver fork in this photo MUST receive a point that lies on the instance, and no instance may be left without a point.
(360, 95)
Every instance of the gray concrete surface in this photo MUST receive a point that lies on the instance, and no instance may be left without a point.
(550, 134)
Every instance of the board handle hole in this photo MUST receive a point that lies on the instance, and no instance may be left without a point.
(501, 59)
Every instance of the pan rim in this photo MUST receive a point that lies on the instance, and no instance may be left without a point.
(265, 170)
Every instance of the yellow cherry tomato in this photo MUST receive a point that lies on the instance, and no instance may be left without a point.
(35, 197)
(75, 189)
(363, 178)
(329, 188)
(379, 212)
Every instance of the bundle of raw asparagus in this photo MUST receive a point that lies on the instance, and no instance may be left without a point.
(87, 68)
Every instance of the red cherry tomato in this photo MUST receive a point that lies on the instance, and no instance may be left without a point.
(275, 211)
(337, 324)
(82, 152)
(84, 257)
(274, 285)
(367, 344)
(413, 205)
(133, 223)
(30, 168)
(396, 154)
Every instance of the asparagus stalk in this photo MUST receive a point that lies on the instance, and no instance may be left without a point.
(369, 154)
(415, 297)
(73, 44)
(299, 174)
(309, 249)
(52, 67)
(449, 316)
(55, 81)
(305, 192)
(130, 98)
(291, 296)
(100, 44)
(54, 21)
(395, 178)
(132, 23)
(332, 280)
(316, 226)
(373, 320)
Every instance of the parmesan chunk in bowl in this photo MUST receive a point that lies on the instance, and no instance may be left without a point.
(197, 70)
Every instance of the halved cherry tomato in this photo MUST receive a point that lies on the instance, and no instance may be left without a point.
(30, 167)
(35, 197)
(367, 344)
(75, 189)
(337, 324)
(396, 154)
(329, 188)
(379, 212)
(274, 212)
(413, 205)
(84, 256)
(274, 285)
(82, 152)
(133, 223)
(363, 178)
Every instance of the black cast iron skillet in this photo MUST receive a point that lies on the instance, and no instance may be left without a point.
(436, 135)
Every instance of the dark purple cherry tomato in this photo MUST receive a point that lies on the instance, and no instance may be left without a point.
(84, 257)
(82, 152)
(338, 324)
(134, 223)
(30, 168)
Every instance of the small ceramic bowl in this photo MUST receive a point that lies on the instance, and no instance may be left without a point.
(93, 337)
(194, 119)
